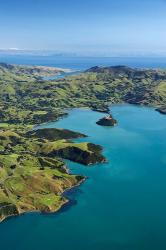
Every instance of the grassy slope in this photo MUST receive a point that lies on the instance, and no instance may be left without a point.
(37, 101)
(32, 175)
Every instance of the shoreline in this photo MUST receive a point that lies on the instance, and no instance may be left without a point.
(66, 201)
(68, 110)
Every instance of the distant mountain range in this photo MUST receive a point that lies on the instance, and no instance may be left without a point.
(45, 52)
(16, 51)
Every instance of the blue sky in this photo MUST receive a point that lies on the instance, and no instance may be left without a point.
(107, 27)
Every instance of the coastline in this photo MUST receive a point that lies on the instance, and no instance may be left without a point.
(98, 106)
(66, 201)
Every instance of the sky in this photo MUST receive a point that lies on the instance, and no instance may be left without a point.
(101, 27)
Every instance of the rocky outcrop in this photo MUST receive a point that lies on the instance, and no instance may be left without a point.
(107, 121)
(100, 108)
(162, 110)
(7, 210)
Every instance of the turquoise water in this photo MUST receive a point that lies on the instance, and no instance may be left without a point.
(122, 205)
(82, 63)
(61, 75)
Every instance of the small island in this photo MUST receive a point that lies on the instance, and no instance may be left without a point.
(107, 121)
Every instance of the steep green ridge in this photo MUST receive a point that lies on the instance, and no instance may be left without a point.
(32, 173)
(54, 134)
(12, 72)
